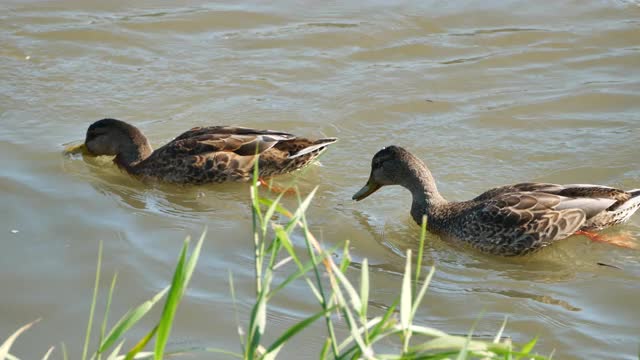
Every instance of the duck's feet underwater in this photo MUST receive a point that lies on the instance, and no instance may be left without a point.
(624, 239)
(277, 189)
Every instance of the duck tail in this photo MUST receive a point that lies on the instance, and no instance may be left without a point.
(633, 203)
(319, 144)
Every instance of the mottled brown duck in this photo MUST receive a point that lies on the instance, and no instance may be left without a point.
(509, 220)
(213, 154)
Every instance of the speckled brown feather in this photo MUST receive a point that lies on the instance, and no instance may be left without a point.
(220, 154)
(511, 223)
(209, 154)
(522, 218)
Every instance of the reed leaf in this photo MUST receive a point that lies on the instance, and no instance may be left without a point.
(129, 319)
(182, 275)
(6, 345)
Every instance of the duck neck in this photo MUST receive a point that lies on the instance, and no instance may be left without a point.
(422, 186)
(133, 152)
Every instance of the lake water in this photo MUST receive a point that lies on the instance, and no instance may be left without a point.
(486, 92)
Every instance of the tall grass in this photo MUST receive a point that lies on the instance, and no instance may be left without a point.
(337, 294)
(110, 346)
(341, 303)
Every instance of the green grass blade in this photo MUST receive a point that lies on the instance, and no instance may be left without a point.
(224, 352)
(186, 352)
(385, 320)
(498, 336)
(103, 328)
(356, 333)
(261, 315)
(143, 355)
(346, 258)
(141, 344)
(257, 324)
(526, 348)
(255, 197)
(96, 286)
(302, 208)
(235, 308)
(168, 313)
(48, 353)
(427, 331)
(193, 260)
(364, 289)
(293, 330)
(285, 240)
(325, 349)
(274, 249)
(271, 210)
(423, 291)
(344, 306)
(114, 354)
(129, 319)
(6, 345)
(465, 349)
(369, 326)
(356, 302)
(405, 294)
(423, 235)
(257, 222)
(63, 348)
(302, 270)
(449, 343)
(324, 298)
(278, 207)
(316, 292)
(181, 277)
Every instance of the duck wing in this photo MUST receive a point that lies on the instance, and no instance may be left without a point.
(210, 154)
(239, 140)
(520, 222)
(514, 188)
(232, 130)
(591, 198)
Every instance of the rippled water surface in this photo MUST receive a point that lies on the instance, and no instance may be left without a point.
(487, 93)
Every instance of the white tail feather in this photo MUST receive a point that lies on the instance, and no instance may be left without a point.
(634, 202)
(319, 145)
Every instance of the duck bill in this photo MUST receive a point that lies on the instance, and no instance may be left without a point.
(77, 149)
(366, 190)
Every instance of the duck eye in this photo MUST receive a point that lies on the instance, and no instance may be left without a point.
(95, 132)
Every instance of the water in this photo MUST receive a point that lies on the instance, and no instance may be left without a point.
(487, 93)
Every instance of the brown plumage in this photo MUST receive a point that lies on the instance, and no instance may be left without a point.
(508, 220)
(201, 155)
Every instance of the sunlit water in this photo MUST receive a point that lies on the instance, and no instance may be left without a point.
(487, 93)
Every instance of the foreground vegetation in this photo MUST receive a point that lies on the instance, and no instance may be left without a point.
(340, 303)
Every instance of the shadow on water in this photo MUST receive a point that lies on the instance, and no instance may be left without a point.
(190, 202)
(179, 201)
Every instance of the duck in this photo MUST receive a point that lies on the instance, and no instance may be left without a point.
(211, 154)
(509, 220)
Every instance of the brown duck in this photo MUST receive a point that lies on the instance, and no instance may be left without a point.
(508, 220)
(201, 155)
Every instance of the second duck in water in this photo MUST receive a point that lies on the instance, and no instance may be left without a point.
(508, 220)
(201, 155)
